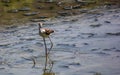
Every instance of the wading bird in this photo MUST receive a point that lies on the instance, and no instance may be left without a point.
(44, 33)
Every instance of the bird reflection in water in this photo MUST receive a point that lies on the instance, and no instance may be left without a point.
(48, 67)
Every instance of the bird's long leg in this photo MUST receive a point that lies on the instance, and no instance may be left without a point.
(51, 66)
(45, 52)
(45, 46)
(45, 64)
(51, 44)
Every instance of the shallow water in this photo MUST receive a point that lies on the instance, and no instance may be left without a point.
(87, 46)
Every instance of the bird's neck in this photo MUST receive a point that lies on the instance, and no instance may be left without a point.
(40, 26)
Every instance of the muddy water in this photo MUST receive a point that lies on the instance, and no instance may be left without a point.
(83, 45)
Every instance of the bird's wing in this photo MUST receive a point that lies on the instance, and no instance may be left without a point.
(49, 31)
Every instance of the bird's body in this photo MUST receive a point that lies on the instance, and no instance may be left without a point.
(44, 32)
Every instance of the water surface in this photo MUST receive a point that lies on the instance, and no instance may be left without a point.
(88, 45)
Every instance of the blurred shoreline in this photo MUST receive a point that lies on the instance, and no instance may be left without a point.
(20, 12)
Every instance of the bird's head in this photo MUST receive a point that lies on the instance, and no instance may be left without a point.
(40, 24)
